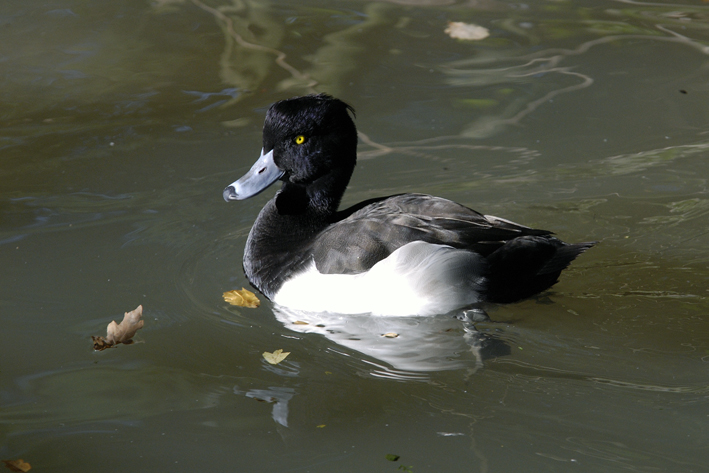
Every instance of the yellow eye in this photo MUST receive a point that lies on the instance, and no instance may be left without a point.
(299, 140)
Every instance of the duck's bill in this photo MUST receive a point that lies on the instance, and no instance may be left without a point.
(262, 174)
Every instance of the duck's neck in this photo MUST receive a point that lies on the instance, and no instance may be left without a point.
(287, 224)
(317, 201)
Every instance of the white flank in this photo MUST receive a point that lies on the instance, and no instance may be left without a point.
(417, 279)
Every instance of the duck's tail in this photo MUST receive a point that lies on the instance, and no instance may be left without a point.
(528, 265)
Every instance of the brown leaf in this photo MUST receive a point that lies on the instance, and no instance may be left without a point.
(101, 343)
(17, 465)
(120, 333)
(123, 332)
(242, 298)
(276, 357)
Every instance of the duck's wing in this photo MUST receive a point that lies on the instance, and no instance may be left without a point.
(367, 233)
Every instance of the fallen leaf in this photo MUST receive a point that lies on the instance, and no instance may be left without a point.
(270, 400)
(276, 357)
(300, 322)
(100, 343)
(17, 465)
(321, 426)
(120, 333)
(460, 30)
(390, 335)
(123, 332)
(242, 298)
(391, 457)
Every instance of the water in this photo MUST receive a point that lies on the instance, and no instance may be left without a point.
(123, 121)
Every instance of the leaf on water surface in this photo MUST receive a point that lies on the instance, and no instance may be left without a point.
(300, 322)
(17, 465)
(242, 298)
(100, 343)
(125, 331)
(270, 400)
(469, 31)
(120, 333)
(390, 335)
(391, 457)
(276, 357)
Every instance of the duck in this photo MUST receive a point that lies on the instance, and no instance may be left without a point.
(401, 255)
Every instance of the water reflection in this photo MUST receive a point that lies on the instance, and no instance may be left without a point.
(406, 344)
(278, 396)
(507, 83)
(510, 74)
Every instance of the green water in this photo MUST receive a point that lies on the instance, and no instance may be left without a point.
(121, 123)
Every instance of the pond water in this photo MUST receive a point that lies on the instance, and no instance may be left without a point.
(123, 121)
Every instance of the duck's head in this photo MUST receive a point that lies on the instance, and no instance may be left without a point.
(310, 143)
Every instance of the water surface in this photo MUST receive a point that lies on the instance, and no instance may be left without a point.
(123, 121)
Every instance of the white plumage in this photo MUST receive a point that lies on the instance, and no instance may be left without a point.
(417, 279)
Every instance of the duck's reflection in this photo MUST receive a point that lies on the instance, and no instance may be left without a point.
(444, 342)
(276, 395)
(401, 348)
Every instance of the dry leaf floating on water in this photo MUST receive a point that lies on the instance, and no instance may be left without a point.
(100, 343)
(125, 331)
(460, 30)
(17, 465)
(276, 357)
(122, 332)
(242, 298)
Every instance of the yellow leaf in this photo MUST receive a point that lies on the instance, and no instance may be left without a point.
(390, 335)
(276, 357)
(17, 465)
(300, 322)
(321, 426)
(242, 298)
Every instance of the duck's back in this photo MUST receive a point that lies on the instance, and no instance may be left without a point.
(365, 234)
(519, 261)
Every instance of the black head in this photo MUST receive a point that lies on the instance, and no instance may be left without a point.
(310, 136)
(309, 143)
